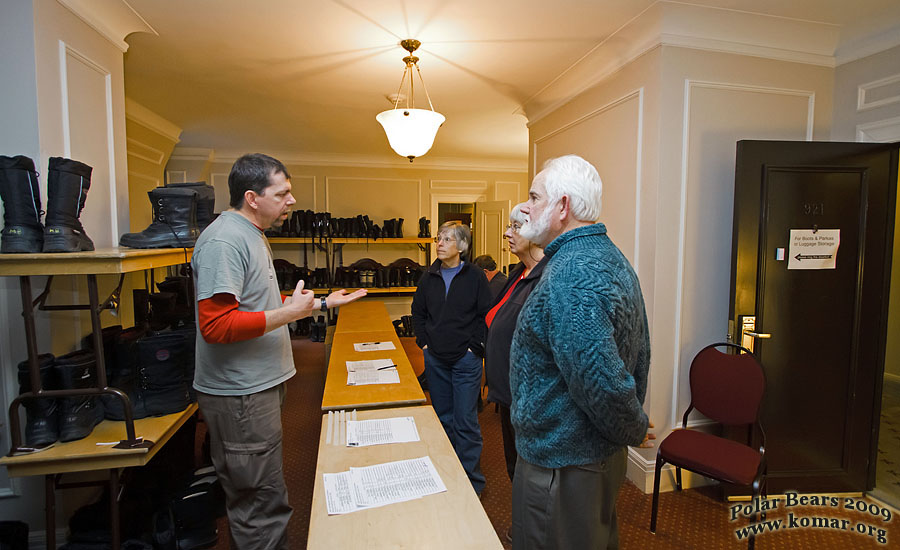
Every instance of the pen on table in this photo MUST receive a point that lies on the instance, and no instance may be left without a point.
(387, 367)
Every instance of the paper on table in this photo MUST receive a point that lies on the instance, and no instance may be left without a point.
(381, 484)
(381, 431)
(373, 346)
(370, 364)
(365, 377)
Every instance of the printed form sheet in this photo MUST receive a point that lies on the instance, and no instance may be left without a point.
(372, 371)
(381, 431)
(381, 484)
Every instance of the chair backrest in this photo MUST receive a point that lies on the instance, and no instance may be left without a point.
(727, 388)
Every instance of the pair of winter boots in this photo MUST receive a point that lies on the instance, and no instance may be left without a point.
(181, 211)
(67, 188)
(49, 419)
(424, 228)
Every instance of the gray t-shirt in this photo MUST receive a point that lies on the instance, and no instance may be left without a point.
(232, 256)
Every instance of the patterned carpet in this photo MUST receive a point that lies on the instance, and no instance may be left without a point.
(693, 519)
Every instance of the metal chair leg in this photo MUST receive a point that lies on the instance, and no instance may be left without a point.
(660, 461)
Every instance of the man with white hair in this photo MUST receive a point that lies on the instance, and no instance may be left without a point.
(578, 368)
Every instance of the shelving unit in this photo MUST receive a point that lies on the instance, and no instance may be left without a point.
(333, 245)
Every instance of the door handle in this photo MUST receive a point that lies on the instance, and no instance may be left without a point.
(762, 335)
(748, 331)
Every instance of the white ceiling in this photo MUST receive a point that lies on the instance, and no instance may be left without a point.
(309, 76)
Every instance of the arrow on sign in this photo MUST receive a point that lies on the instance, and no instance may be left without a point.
(800, 257)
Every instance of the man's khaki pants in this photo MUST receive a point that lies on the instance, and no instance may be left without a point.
(245, 444)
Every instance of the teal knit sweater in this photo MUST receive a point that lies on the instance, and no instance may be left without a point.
(580, 355)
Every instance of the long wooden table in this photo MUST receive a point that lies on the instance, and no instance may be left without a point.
(338, 395)
(454, 519)
(363, 316)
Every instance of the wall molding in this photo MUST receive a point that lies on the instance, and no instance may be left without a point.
(880, 131)
(113, 19)
(639, 147)
(65, 52)
(689, 86)
(416, 181)
(498, 184)
(203, 154)
(676, 24)
(458, 184)
(862, 104)
(140, 150)
(139, 114)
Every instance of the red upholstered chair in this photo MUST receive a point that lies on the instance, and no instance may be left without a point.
(727, 388)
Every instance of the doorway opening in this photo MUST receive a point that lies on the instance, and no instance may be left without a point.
(887, 464)
(461, 212)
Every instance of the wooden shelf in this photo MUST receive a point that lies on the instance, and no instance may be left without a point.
(96, 262)
(348, 240)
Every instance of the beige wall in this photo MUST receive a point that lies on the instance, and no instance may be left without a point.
(662, 132)
(867, 108)
(380, 193)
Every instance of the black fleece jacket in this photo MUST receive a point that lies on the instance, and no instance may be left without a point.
(453, 324)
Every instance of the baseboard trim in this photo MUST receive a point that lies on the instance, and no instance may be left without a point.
(641, 473)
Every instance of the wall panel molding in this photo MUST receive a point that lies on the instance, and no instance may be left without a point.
(889, 88)
(880, 131)
(638, 95)
(458, 184)
(337, 179)
(689, 87)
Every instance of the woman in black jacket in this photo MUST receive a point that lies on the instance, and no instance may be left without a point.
(448, 312)
(501, 322)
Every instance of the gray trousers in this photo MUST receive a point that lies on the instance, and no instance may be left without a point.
(245, 444)
(567, 508)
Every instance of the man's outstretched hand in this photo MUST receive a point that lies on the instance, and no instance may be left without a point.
(342, 297)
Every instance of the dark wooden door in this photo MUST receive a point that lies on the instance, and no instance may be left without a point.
(825, 356)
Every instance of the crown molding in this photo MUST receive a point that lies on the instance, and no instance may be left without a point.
(869, 46)
(114, 19)
(193, 153)
(691, 26)
(296, 158)
(136, 112)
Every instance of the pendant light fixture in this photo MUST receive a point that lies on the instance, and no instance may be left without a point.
(410, 131)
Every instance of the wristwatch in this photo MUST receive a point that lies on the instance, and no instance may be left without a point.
(324, 305)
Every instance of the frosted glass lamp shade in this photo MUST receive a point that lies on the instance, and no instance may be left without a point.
(410, 131)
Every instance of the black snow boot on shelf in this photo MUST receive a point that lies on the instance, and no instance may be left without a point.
(123, 375)
(78, 415)
(41, 421)
(206, 200)
(22, 229)
(398, 228)
(161, 361)
(424, 228)
(174, 222)
(68, 182)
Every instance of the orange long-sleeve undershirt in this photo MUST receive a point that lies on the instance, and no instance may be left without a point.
(220, 322)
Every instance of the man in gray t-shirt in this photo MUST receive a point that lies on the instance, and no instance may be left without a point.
(244, 350)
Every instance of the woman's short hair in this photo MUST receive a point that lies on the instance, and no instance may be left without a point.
(460, 232)
(576, 178)
(516, 215)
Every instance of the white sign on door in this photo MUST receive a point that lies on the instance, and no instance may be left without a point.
(813, 249)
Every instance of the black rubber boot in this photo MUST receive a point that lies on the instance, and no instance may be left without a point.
(123, 375)
(398, 228)
(68, 182)
(41, 420)
(78, 415)
(161, 361)
(174, 222)
(422, 233)
(206, 200)
(21, 194)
